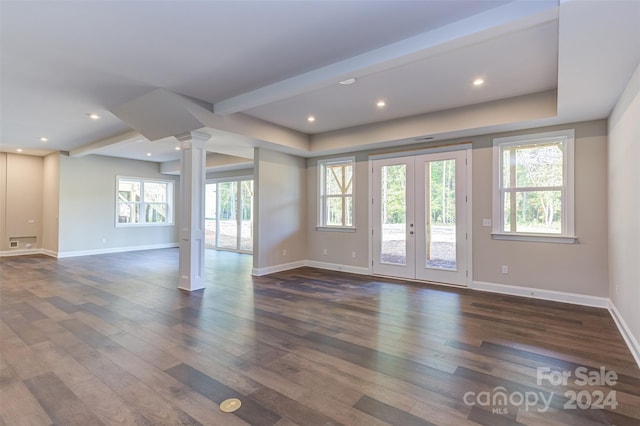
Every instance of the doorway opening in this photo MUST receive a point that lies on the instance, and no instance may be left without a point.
(229, 214)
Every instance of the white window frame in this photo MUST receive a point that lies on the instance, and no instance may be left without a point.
(170, 202)
(567, 234)
(322, 197)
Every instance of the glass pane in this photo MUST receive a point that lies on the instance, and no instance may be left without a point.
(334, 211)
(210, 191)
(128, 213)
(394, 214)
(507, 212)
(155, 192)
(129, 191)
(441, 215)
(538, 166)
(539, 211)
(348, 201)
(228, 211)
(156, 213)
(506, 168)
(333, 180)
(246, 230)
(348, 179)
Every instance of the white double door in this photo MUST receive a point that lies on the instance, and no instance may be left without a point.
(420, 217)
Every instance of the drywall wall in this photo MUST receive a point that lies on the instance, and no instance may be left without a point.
(50, 202)
(3, 200)
(23, 201)
(279, 209)
(624, 206)
(339, 246)
(214, 175)
(87, 206)
(575, 268)
(580, 268)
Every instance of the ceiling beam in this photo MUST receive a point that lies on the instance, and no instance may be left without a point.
(95, 147)
(492, 23)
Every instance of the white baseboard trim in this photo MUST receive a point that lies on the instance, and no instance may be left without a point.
(258, 272)
(115, 250)
(50, 253)
(627, 335)
(337, 267)
(21, 252)
(537, 293)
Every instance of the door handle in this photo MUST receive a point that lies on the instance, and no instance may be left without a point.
(410, 232)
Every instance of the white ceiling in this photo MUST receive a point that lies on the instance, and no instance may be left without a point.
(280, 61)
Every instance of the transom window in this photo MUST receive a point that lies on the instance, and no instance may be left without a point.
(533, 187)
(144, 202)
(336, 192)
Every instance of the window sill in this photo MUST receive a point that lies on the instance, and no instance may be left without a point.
(536, 238)
(335, 229)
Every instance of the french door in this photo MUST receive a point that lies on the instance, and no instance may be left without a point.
(420, 217)
(229, 215)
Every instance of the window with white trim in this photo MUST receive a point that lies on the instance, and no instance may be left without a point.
(533, 187)
(141, 202)
(336, 178)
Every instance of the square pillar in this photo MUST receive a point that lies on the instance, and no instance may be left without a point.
(192, 181)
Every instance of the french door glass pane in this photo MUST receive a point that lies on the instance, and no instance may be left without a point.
(210, 209)
(246, 215)
(441, 214)
(228, 215)
(394, 214)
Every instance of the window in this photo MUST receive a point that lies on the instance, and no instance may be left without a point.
(533, 187)
(144, 202)
(336, 193)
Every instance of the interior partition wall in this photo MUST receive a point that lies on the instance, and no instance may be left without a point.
(229, 214)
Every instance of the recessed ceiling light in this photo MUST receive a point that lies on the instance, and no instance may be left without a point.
(19, 150)
(478, 82)
(311, 119)
(43, 139)
(380, 104)
(93, 116)
(177, 148)
(148, 154)
(348, 81)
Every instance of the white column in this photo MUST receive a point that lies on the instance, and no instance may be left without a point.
(192, 181)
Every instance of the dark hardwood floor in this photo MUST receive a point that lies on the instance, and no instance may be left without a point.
(109, 339)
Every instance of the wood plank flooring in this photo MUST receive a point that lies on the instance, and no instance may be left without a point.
(110, 340)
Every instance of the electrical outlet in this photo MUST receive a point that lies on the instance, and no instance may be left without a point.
(324, 252)
(353, 254)
(284, 252)
(505, 269)
(486, 222)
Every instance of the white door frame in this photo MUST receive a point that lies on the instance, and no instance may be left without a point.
(469, 213)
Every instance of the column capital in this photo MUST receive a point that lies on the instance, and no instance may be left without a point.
(193, 136)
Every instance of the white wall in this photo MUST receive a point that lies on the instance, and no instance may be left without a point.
(279, 210)
(87, 206)
(574, 268)
(22, 201)
(3, 200)
(50, 202)
(624, 207)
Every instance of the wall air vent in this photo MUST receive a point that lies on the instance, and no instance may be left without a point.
(14, 244)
